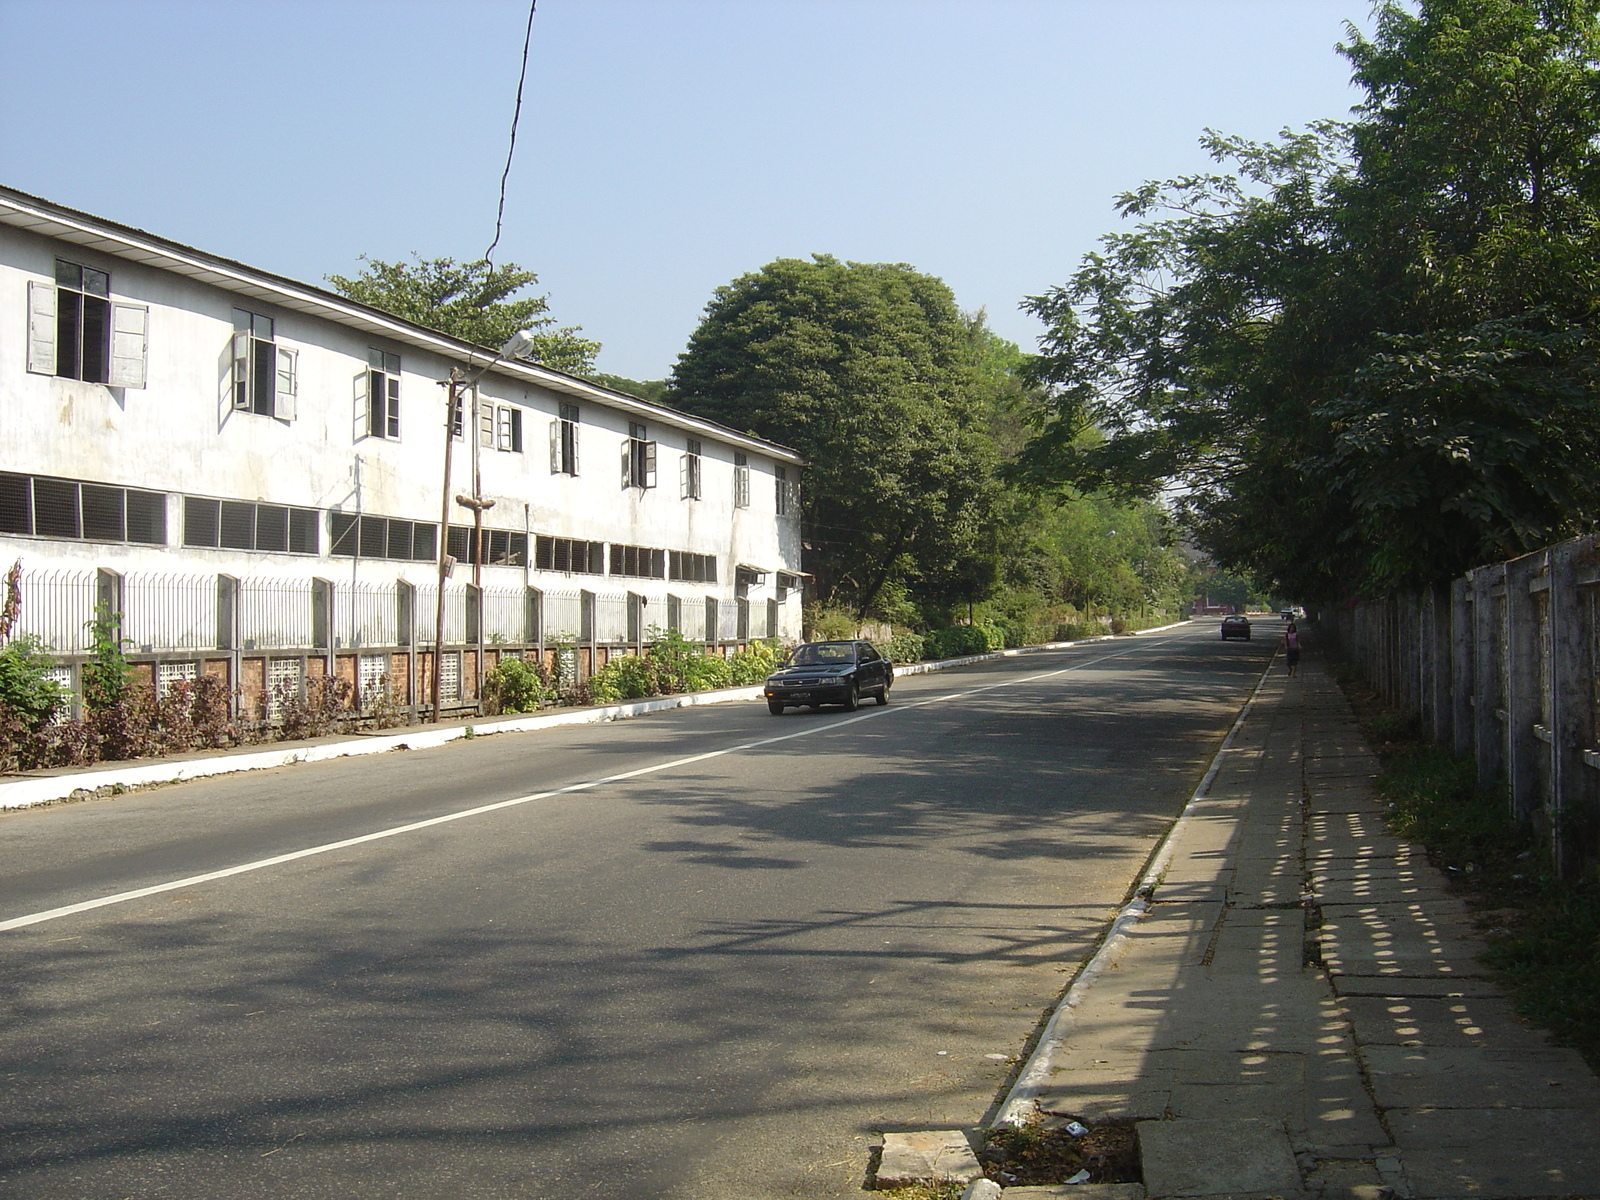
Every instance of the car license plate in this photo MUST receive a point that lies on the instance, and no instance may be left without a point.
(799, 696)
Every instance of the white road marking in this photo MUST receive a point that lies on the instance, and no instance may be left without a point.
(68, 910)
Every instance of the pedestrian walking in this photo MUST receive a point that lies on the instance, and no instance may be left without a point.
(1291, 647)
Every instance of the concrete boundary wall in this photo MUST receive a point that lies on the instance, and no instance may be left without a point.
(46, 788)
(1500, 666)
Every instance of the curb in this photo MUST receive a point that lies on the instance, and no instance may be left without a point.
(1030, 1081)
(33, 790)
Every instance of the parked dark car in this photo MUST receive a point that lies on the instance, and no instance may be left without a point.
(1236, 627)
(819, 673)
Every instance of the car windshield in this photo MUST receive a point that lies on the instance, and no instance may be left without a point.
(823, 654)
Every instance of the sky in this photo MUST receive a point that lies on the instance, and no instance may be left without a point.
(665, 147)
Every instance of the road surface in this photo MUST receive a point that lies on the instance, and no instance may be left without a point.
(496, 969)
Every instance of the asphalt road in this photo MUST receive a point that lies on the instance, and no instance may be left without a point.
(715, 978)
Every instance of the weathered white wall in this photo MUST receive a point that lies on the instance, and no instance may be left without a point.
(179, 434)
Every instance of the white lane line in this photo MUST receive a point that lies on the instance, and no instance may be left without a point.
(68, 910)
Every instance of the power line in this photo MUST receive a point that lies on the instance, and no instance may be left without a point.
(511, 150)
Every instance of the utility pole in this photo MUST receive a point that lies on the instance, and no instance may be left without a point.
(517, 346)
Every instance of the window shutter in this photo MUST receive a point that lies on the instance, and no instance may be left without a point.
(555, 447)
(241, 369)
(574, 425)
(627, 462)
(685, 492)
(288, 387)
(485, 424)
(41, 328)
(130, 324)
(361, 415)
(502, 428)
(649, 480)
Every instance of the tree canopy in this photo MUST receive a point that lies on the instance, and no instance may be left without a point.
(472, 301)
(1367, 352)
(867, 369)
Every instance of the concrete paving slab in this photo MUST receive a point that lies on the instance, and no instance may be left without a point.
(1450, 1153)
(1464, 1077)
(1440, 1021)
(939, 1156)
(1077, 1191)
(1399, 985)
(1344, 1180)
(1216, 1158)
(1210, 1067)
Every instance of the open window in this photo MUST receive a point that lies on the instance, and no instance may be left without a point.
(76, 331)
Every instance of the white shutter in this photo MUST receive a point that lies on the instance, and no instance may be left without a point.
(575, 428)
(283, 403)
(241, 369)
(361, 418)
(485, 424)
(555, 447)
(649, 465)
(627, 462)
(42, 328)
(130, 325)
(685, 491)
(502, 429)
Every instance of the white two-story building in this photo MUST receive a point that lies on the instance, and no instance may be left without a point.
(251, 472)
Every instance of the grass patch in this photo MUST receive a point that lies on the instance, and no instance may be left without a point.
(1543, 933)
(926, 1191)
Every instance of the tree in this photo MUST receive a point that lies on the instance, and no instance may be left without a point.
(1367, 351)
(868, 370)
(646, 389)
(471, 301)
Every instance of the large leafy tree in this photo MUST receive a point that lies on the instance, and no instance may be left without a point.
(869, 370)
(475, 301)
(1367, 351)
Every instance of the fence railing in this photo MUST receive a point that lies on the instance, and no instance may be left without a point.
(164, 614)
(1501, 666)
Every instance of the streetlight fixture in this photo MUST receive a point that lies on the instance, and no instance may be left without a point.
(518, 346)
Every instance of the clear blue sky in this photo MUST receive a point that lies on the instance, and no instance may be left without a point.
(666, 146)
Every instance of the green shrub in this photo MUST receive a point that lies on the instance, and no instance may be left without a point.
(25, 686)
(754, 662)
(833, 624)
(107, 676)
(514, 686)
(905, 648)
(707, 672)
(626, 678)
(959, 641)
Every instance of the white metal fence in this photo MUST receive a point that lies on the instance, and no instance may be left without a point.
(56, 608)
(179, 613)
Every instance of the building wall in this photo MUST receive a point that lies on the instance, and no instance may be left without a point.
(181, 435)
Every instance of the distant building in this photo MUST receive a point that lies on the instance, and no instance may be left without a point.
(249, 469)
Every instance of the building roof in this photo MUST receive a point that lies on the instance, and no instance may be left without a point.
(44, 217)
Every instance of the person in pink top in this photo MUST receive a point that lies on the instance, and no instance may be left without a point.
(1291, 647)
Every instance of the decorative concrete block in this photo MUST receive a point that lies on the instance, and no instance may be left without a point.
(938, 1156)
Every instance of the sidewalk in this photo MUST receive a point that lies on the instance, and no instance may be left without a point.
(1300, 1011)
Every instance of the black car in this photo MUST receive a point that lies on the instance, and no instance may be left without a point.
(818, 673)
(1236, 627)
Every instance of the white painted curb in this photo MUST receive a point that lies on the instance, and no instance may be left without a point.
(42, 789)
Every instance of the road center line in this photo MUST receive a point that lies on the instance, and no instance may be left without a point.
(68, 910)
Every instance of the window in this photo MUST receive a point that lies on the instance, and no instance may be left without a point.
(501, 547)
(245, 525)
(689, 472)
(692, 568)
(564, 441)
(500, 426)
(571, 555)
(77, 332)
(362, 536)
(264, 374)
(786, 490)
(638, 459)
(92, 512)
(641, 562)
(741, 480)
(169, 673)
(383, 394)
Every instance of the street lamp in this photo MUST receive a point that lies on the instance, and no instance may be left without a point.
(518, 346)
